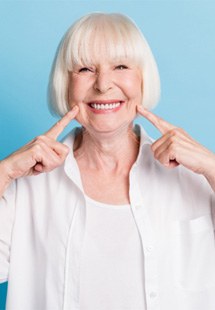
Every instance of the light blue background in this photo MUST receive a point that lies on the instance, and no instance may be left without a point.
(180, 33)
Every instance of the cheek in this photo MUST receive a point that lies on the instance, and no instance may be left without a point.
(77, 89)
(133, 87)
(76, 97)
(74, 94)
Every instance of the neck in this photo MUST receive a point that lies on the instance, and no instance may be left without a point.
(107, 151)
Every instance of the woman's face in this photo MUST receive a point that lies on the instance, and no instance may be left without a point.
(107, 94)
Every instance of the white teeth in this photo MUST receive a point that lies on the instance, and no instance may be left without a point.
(106, 106)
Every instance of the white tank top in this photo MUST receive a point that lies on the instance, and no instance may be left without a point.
(112, 273)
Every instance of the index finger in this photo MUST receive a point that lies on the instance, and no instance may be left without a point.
(56, 130)
(162, 125)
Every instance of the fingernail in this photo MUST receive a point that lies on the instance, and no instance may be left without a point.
(75, 108)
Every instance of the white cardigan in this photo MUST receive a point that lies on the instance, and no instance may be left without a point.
(42, 224)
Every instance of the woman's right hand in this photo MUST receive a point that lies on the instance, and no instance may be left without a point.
(42, 154)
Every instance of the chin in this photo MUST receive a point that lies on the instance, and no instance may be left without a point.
(110, 128)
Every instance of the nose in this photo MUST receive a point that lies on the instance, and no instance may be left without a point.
(103, 82)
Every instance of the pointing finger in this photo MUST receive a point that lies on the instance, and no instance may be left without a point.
(162, 125)
(57, 129)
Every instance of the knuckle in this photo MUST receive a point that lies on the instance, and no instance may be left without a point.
(172, 139)
(61, 159)
(63, 149)
(37, 147)
(180, 129)
(174, 132)
(57, 161)
(40, 138)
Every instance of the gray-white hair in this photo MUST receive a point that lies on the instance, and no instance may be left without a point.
(86, 40)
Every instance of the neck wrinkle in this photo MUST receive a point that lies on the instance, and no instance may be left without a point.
(111, 152)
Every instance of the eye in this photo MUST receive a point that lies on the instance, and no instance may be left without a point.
(85, 69)
(121, 67)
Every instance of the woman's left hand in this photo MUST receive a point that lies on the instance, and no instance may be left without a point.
(177, 147)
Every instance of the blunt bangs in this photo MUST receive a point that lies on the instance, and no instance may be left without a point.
(114, 36)
(106, 35)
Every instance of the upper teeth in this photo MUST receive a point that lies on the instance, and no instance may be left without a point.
(106, 106)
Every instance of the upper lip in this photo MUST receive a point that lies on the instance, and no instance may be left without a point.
(105, 101)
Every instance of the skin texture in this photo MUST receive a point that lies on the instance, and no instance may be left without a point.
(107, 147)
(106, 81)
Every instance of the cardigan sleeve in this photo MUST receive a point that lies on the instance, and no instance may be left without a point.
(7, 216)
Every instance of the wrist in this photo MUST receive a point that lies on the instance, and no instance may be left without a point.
(210, 172)
(5, 178)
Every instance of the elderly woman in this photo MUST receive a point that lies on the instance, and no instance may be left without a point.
(113, 220)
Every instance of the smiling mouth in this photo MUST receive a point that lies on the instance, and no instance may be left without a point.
(108, 106)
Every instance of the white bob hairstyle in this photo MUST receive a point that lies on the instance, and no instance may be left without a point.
(91, 37)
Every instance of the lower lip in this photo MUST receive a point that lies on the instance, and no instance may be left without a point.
(106, 111)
